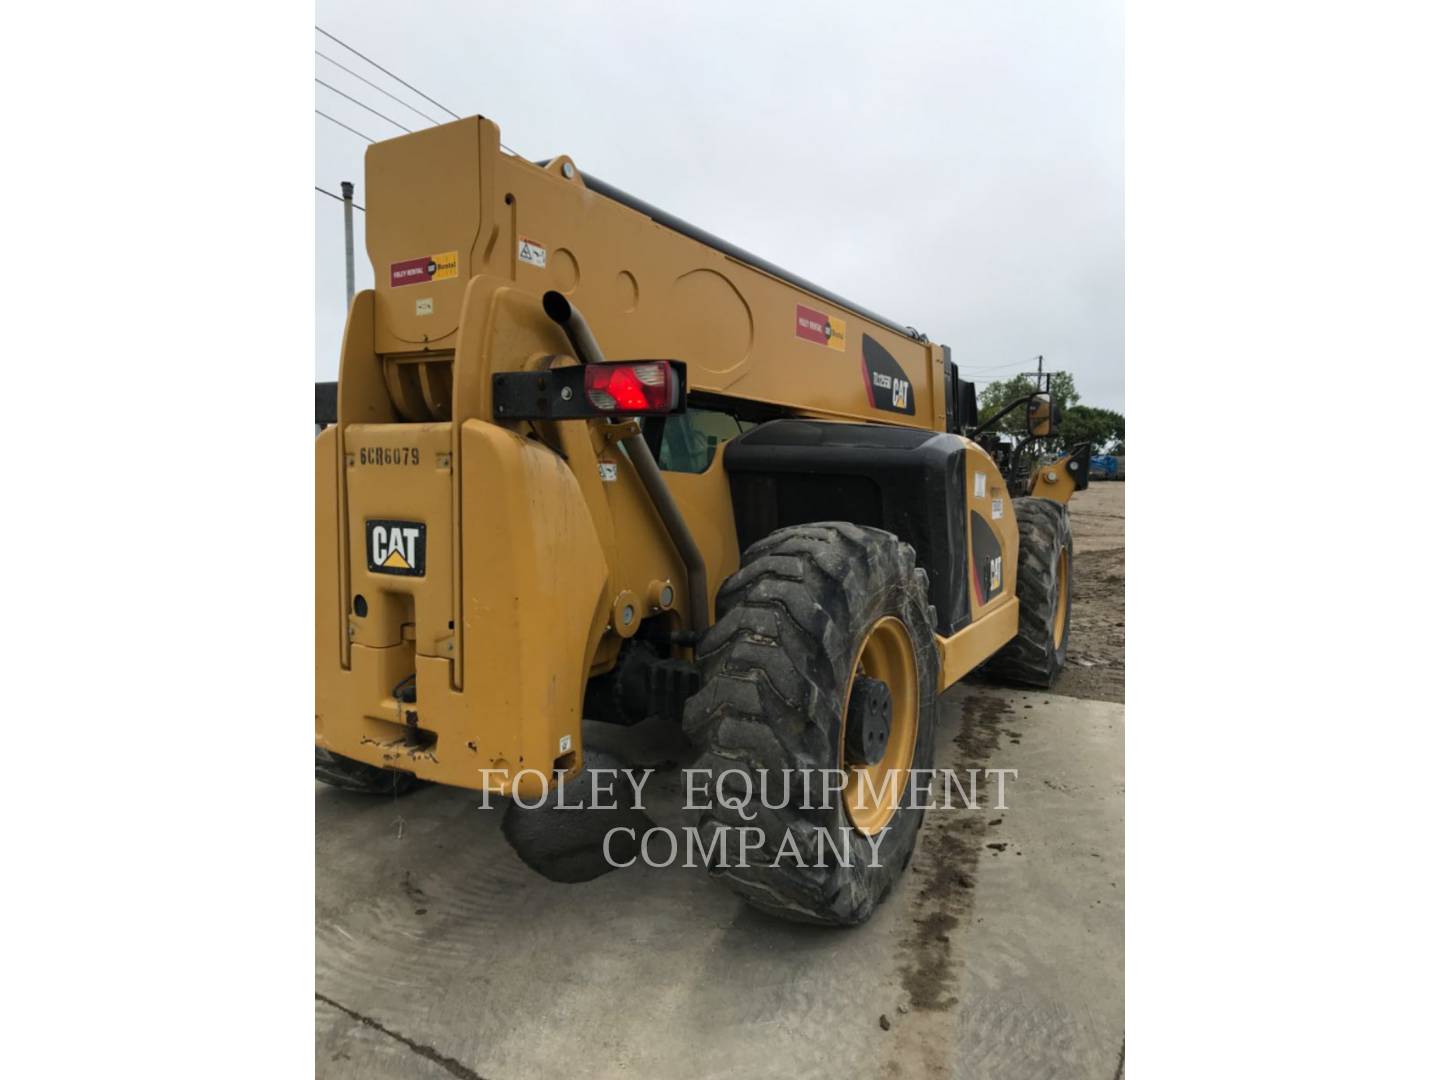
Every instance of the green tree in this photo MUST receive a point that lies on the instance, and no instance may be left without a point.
(1103, 429)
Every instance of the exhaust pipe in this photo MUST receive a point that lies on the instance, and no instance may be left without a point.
(587, 351)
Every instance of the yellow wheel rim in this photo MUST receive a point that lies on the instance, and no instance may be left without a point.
(872, 793)
(1062, 600)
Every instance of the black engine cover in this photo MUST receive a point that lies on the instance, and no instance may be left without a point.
(908, 482)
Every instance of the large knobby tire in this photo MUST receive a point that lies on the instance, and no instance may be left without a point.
(1036, 654)
(777, 670)
(349, 775)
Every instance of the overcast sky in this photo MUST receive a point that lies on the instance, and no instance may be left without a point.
(956, 166)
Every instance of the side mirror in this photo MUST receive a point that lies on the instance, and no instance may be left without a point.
(1041, 416)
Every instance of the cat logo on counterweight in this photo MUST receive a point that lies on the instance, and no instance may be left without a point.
(395, 547)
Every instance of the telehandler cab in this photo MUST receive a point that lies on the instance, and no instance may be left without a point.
(772, 521)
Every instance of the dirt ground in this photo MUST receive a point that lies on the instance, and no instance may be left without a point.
(1095, 666)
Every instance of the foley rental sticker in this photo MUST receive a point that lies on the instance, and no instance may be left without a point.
(427, 268)
(818, 327)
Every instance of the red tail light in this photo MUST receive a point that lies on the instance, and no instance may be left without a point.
(577, 392)
(630, 389)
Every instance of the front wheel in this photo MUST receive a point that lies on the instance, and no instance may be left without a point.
(817, 705)
(1035, 655)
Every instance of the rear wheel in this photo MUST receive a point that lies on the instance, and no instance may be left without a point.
(1036, 654)
(822, 658)
(348, 775)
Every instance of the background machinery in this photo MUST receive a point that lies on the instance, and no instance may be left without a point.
(1107, 467)
(769, 521)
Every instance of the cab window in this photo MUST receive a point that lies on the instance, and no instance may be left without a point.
(690, 439)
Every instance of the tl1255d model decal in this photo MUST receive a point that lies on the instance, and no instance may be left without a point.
(886, 383)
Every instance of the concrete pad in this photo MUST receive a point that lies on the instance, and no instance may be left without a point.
(439, 953)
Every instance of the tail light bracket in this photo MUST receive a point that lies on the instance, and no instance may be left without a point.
(568, 393)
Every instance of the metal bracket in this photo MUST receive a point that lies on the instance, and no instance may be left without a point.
(620, 430)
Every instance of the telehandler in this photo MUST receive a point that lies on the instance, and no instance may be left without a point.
(586, 460)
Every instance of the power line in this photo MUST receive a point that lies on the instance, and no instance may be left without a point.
(376, 86)
(347, 127)
(991, 365)
(402, 82)
(338, 198)
(357, 101)
(392, 75)
(996, 367)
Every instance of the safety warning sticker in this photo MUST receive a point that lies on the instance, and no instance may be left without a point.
(820, 328)
(428, 268)
(532, 253)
